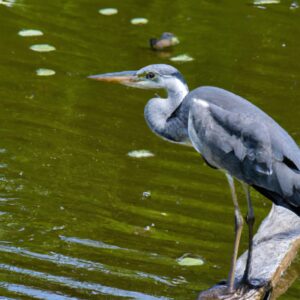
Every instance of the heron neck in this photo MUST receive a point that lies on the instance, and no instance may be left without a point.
(159, 114)
(176, 90)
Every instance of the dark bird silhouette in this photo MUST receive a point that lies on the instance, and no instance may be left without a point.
(166, 40)
(230, 133)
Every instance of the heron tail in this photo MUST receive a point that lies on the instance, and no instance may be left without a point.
(287, 202)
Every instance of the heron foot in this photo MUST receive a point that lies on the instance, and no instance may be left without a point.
(241, 288)
(245, 285)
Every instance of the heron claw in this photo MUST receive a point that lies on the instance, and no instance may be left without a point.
(247, 285)
(243, 286)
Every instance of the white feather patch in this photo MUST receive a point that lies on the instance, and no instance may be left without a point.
(201, 102)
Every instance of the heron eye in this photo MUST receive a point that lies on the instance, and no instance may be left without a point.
(150, 75)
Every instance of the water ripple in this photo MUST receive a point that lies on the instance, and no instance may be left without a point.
(32, 292)
(60, 259)
(74, 284)
(91, 243)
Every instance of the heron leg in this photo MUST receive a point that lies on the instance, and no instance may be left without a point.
(238, 231)
(250, 219)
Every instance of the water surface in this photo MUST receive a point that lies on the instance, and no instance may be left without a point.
(74, 222)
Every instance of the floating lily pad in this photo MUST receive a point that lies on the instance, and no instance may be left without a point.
(30, 32)
(42, 48)
(189, 261)
(7, 3)
(261, 7)
(108, 11)
(55, 228)
(182, 58)
(140, 153)
(146, 194)
(294, 5)
(264, 2)
(147, 228)
(139, 21)
(45, 72)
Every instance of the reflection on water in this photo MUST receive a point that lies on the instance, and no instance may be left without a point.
(94, 288)
(80, 217)
(31, 292)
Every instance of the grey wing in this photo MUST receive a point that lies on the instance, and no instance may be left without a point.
(235, 142)
(284, 147)
(250, 146)
(243, 145)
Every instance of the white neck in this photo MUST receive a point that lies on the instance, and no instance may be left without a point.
(158, 110)
(176, 89)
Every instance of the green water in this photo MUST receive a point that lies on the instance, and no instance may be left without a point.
(74, 223)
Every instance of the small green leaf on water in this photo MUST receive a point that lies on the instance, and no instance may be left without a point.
(140, 153)
(146, 194)
(175, 40)
(108, 11)
(42, 48)
(139, 21)
(30, 32)
(45, 72)
(182, 58)
(7, 3)
(190, 261)
(263, 2)
(294, 5)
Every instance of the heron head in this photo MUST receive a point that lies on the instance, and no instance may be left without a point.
(158, 76)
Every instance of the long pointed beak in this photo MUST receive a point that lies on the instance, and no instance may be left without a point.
(125, 77)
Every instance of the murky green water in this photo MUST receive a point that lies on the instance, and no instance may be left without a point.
(74, 223)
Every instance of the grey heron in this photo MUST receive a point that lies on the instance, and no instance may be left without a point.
(230, 133)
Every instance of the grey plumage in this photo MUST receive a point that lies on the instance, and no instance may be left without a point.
(234, 135)
(230, 133)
